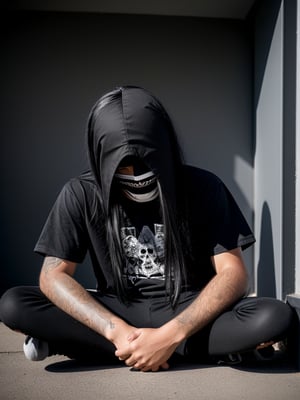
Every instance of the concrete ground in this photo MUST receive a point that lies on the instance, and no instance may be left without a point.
(62, 379)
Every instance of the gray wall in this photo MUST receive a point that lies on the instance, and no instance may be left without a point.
(274, 177)
(55, 65)
(268, 149)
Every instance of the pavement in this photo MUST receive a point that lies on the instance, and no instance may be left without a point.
(62, 379)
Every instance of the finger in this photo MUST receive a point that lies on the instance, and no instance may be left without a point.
(150, 369)
(130, 362)
(124, 359)
(165, 366)
(137, 367)
(121, 355)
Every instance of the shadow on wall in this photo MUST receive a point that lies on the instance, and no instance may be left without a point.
(275, 33)
(266, 282)
(264, 16)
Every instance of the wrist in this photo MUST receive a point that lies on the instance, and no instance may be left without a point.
(112, 329)
(175, 331)
(117, 330)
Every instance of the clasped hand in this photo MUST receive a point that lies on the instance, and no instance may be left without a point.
(147, 349)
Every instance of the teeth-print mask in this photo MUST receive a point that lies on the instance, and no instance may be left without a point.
(139, 188)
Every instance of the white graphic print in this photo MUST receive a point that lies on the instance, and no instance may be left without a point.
(145, 254)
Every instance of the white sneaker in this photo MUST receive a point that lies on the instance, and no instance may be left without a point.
(35, 349)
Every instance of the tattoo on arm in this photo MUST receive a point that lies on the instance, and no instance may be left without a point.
(72, 298)
(51, 263)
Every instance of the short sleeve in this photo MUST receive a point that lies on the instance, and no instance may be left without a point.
(230, 228)
(64, 233)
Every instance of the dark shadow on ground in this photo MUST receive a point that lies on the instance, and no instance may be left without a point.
(80, 366)
(281, 364)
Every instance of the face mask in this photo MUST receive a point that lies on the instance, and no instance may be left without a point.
(139, 188)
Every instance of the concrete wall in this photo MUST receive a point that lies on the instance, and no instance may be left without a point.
(55, 65)
(274, 167)
(268, 97)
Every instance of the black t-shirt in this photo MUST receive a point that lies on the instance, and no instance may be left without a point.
(75, 225)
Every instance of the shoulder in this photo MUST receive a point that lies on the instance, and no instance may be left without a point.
(80, 192)
(81, 185)
(203, 190)
(200, 180)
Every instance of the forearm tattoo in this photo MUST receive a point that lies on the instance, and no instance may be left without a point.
(51, 263)
(71, 297)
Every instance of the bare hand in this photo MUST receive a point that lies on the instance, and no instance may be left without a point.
(148, 349)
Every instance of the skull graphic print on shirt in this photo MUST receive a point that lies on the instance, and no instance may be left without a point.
(144, 254)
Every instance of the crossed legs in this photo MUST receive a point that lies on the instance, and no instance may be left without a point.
(243, 327)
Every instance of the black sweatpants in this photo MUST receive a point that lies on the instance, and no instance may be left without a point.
(246, 324)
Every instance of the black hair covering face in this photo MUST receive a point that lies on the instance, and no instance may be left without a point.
(131, 123)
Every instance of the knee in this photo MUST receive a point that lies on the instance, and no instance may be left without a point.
(271, 316)
(11, 307)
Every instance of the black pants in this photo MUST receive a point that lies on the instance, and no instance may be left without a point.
(248, 323)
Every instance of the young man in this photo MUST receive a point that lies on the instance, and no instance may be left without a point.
(166, 245)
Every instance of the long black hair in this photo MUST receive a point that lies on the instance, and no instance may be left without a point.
(173, 212)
